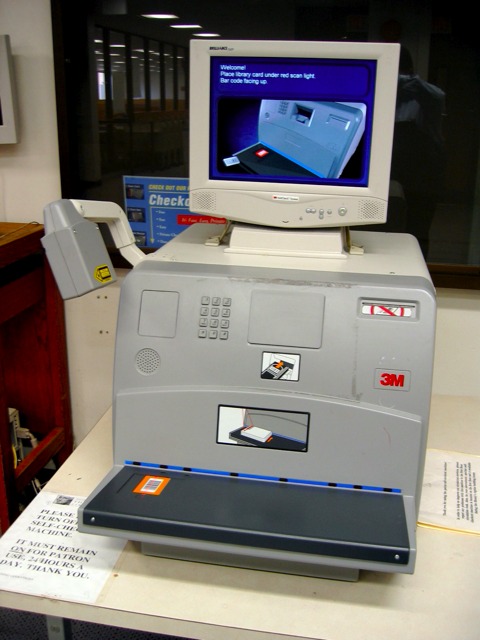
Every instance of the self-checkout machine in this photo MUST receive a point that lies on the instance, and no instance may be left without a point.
(272, 382)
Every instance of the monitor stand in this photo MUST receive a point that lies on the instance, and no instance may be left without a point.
(309, 243)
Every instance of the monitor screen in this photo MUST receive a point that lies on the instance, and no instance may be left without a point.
(292, 134)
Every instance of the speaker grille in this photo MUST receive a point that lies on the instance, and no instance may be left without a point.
(371, 210)
(204, 201)
(147, 361)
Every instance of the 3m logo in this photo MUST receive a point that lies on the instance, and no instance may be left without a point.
(393, 380)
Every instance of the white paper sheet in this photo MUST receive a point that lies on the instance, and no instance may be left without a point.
(43, 553)
(450, 497)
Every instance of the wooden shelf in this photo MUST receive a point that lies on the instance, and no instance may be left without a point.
(33, 362)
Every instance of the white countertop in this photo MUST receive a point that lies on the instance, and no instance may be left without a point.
(440, 601)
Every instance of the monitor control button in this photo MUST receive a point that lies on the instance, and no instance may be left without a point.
(342, 211)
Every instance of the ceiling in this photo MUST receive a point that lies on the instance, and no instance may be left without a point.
(247, 19)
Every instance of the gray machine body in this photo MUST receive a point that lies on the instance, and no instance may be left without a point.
(333, 368)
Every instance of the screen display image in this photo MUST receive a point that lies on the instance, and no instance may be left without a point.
(305, 121)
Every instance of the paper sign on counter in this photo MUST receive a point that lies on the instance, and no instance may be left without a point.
(43, 553)
(450, 491)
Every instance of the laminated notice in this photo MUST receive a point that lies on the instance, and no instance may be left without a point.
(44, 554)
(450, 491)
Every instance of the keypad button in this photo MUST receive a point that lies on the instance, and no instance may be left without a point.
(214, 317)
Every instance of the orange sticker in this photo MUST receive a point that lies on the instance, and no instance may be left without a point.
(151, 485)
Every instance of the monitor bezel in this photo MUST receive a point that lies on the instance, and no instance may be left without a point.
(273, 203)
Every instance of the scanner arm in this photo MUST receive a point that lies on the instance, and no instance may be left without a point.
(113, 215)
(75, 247)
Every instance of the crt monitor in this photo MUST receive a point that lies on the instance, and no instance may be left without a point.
(292, 134)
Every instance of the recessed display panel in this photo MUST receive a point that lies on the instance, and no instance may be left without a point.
(263, 428)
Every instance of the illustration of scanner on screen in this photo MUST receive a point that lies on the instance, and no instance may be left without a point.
(297, 137)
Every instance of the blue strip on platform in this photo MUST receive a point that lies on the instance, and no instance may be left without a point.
(252, 476)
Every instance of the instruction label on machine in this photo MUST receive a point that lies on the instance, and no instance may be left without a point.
(102, 273)
(158, 209)
(280, 366)
(388, 309)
